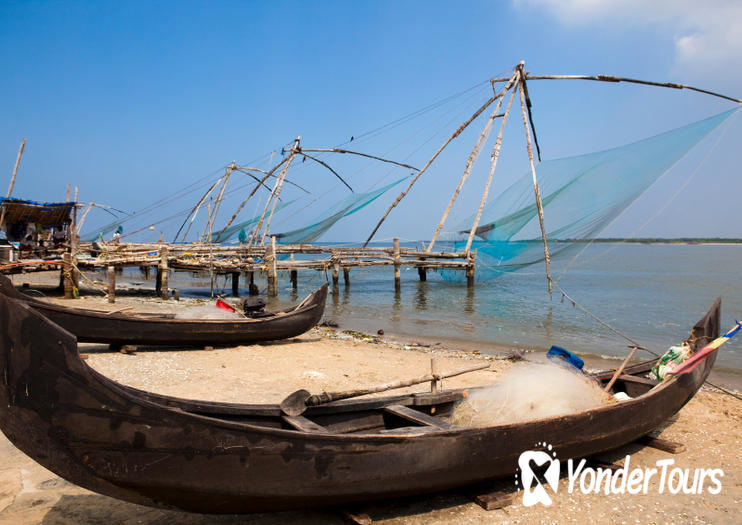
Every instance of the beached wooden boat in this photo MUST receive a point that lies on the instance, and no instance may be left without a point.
(121, 328)
(229, 458)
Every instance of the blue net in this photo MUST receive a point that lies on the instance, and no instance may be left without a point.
(228, 233)
(581, 196)
(349, 205)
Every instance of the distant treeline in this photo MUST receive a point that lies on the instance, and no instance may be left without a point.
(660, 240)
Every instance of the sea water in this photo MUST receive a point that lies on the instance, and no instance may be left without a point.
(653, 293)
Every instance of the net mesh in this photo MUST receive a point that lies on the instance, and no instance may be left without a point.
(581, 196)
(349, 205)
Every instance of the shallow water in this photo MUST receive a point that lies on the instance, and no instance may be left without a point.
(652, 293)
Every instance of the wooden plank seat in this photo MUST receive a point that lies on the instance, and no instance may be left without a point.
(304, 424)
(410, 414)
(637, 379)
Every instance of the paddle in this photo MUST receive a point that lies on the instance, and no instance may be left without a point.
(295, 404)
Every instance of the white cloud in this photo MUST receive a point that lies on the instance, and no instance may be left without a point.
(707, 34)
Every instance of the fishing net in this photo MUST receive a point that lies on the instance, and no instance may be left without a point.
(530, 391)
(228, 233)
(349, 205)
(581, 196)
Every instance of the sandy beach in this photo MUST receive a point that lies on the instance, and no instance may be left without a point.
(329, 359)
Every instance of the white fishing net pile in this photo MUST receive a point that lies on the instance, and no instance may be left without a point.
(530, 391)
(206, 311)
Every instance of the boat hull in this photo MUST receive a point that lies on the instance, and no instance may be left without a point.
(130, 445)
(90, 326)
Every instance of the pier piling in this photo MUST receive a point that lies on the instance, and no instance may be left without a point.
(111, 270)
(397, 275)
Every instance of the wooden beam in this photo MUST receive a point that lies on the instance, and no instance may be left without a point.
(493, 164)
(304, 424)
(455, 134)
(536, 190)
(662, 444)
(111, 270)
(410, 414)
(473, 156)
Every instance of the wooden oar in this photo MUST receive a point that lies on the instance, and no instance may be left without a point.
(295, 404)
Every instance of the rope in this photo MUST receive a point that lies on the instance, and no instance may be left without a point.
(603, 323)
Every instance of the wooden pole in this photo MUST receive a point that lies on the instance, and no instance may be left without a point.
(270, 260)
(620, 369)
(471, 259)
(111, 283)
(235, 284)
(192, 214)
(15, 168)
(346, 276)
(326, 397)
(335, 273)
(213, 211)
(434, 371)
(455, 134)
(12, 180)
(493, 165)
(69, 286)
(242, 204)
(273, 197)
(162, 274)
(69, 192)
(615, 79)
(537, 192)
(397, 276)
(280, 181)
(472, 159)
(294, 279)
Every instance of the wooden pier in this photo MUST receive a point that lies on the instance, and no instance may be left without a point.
(237, 261)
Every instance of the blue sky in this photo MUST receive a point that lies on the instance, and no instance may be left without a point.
(132, 101)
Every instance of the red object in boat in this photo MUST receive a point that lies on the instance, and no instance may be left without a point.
(224, 306)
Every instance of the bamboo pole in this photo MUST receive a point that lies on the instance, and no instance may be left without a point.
(280, 180)
(615, 79)
(339, 150)
(217, 203)
(276, 184)
(194, 211)
(84, 216)
(455, 134)
(15, 168)
(536, 190)
(493, 165)
(473, 156)
(12, 179)
(326, 397)
(260, 183)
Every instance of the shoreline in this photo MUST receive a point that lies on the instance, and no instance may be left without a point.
(134, 296)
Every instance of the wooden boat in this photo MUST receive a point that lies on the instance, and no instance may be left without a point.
(229, 458)
(119, 328)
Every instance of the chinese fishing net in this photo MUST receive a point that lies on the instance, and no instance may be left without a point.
(349, 205)
(581, 196)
